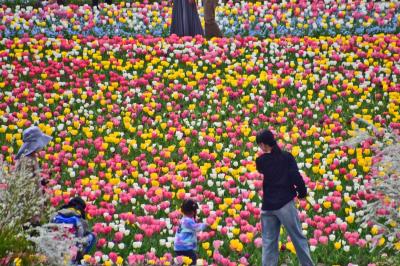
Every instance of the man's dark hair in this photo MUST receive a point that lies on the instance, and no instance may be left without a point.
(266, 137)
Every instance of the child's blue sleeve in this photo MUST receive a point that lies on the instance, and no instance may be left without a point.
(192, 225)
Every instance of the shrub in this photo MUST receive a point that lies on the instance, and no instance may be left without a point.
(383, 210)
(20, 200)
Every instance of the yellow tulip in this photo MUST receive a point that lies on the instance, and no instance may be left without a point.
(187, 260)
(106, 197)
(236, 231)
(290, 247)
(327, 204)
(206, 245)
(350, 219)
(374, 230)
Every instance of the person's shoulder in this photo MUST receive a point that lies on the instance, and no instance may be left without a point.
(187, 222)
(289, 157)
(285, 155)
(261, 157)
(187, 219)
(69, 212)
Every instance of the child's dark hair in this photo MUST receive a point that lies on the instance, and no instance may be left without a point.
(78, 204)
(189, 207)
(266, 137)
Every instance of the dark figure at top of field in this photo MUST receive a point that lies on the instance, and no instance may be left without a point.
(96, 2)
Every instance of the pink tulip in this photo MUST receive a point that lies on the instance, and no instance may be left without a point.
(343, 227)
(118, 237)
(313, 241)
(317, 233)
(113, 256)
(362, 243)
(243, 261)
(323, 240)
(217, 244)
(138, 237)
(101, 242)
(258, 242)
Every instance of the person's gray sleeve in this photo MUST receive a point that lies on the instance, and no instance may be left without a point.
(80, 228)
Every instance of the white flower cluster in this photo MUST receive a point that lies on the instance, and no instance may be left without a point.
(56, 243)
(385, 184)
(20, 198)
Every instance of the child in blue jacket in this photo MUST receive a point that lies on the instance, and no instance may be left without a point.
(185, 237)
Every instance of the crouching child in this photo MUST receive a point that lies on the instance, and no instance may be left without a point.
(74, 214)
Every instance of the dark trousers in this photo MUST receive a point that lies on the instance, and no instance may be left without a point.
(187, 253)
(210, 25)
(96, 2)
(89, 240)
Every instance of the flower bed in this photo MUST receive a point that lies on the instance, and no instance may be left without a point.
(258, 19)
(138, 123)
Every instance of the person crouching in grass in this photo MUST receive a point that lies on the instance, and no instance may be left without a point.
(74, 214)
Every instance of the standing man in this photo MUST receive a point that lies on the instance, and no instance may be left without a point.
(281, 184)
(211, 27)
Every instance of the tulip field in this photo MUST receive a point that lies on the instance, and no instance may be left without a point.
(140, 120)
(261, 19)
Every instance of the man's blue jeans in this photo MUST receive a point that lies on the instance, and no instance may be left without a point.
(271, 224)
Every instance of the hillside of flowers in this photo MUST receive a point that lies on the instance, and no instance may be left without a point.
(265, 19)
(141, 122)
